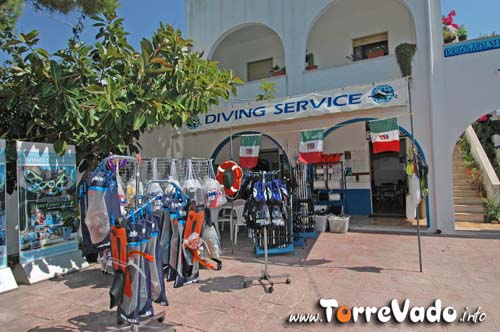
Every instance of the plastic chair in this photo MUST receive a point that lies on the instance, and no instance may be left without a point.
(240, 221)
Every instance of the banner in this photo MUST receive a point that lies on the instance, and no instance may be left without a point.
(48, 215)
(3, 215)
(349, 99)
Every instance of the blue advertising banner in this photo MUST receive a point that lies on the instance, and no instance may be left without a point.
(48, 215)
(3, 216)
(472, 46)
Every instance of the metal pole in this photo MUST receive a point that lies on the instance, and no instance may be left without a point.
(414, 153)
(232, 201)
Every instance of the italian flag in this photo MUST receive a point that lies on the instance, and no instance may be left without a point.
(311, 146)
(249, 150)
(384, 135)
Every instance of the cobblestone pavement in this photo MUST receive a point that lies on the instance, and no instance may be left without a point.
(356, 269)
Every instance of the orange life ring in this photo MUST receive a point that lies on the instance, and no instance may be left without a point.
(238, 175)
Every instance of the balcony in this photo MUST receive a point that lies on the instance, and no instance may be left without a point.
(379, 69)
(250, 90)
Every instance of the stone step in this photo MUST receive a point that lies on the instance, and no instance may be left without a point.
(462, 181)
(465, 186)
(470, 208)
(466, 191)
(470, 217)
(468, 200)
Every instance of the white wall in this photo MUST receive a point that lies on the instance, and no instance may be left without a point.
(235, 56)
(447, 94)
(352, 137)
(331, 38)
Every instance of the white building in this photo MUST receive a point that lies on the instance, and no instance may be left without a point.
(448, 93)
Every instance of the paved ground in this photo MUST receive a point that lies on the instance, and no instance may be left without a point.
(357, 269)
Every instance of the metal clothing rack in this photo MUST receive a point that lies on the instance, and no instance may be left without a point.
(265, 276)
(159, 317)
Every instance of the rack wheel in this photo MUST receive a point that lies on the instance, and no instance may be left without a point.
(246, 285)
(119, 321)
(161, 319)
(270, 290)
(288, 281)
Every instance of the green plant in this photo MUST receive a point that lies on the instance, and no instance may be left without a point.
(493, 209)
(276, 68)
(310, 59)
(477, 179)
(268, 91)
(448, 35)
(404, 54)
(462, 32)
(102, 96)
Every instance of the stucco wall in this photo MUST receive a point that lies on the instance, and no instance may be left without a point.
(235, 56)
(331, 38)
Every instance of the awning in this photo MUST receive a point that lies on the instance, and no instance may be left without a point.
(349, 99)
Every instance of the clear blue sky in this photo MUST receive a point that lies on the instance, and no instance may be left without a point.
(142, 17)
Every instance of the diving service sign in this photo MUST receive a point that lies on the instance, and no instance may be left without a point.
(354, 98)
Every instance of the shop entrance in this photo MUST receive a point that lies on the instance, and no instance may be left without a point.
(388, 182)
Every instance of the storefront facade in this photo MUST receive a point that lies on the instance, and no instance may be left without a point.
(343, 35)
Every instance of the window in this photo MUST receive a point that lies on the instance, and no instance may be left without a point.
(370, 47)
(258, 70)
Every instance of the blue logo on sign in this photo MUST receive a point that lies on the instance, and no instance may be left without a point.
(193, 123)
(383, 93)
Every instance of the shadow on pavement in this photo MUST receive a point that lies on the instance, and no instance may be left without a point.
(96, 322)
(92, 277)
(222, 284)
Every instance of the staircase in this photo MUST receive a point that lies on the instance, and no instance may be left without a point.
(469, 207)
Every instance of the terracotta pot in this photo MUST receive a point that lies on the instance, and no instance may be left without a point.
(311, 67)
(280, 72)
(375, 54)
(468, 171)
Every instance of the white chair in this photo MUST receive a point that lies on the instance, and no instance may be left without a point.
(239, 206)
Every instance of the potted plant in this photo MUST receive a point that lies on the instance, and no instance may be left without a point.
(353, 57)
(449, 28)
(376, 52)
(477, 179)
(310, 62)
(462, 33)
(404, 54)
(469, 164)
(492, 210)
(448, 35)
(278, 71)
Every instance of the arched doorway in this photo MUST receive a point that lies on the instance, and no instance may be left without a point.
(361, 164)
(475, 171)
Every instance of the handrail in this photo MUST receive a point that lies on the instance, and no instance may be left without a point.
(490, 178)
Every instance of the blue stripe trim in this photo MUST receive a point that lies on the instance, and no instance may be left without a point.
(100, 189)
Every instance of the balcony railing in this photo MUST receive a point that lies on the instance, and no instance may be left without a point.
(250, 90)
(378, 69)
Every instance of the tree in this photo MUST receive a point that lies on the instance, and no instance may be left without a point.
(101, 97)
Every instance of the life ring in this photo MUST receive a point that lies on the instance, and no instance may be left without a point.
(238, 175)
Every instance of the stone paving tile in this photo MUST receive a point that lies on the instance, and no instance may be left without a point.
(355, 268)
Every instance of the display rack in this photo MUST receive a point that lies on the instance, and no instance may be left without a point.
(279, 238)
(329, 185)
(264, 250)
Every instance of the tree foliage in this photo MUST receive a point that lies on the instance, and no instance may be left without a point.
(101, 97)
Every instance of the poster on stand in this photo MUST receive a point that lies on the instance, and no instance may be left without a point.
(3, 215)
(48, 214)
